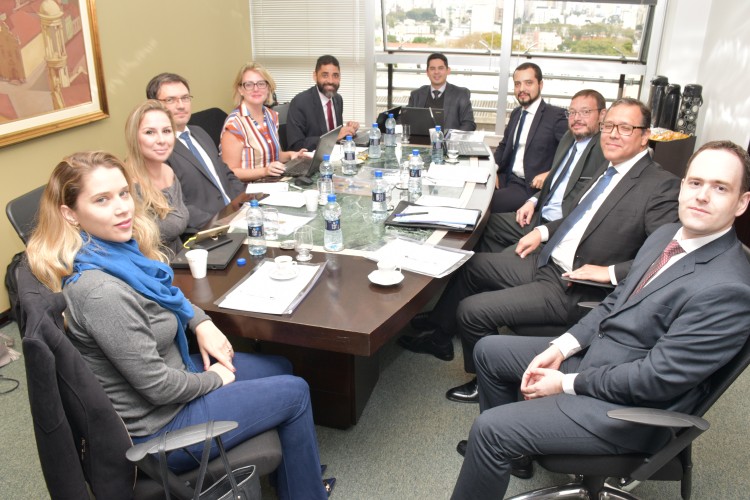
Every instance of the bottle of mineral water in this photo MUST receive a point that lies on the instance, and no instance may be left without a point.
(379, 204)
(415, 176)
(349, 161)
(326, 169)
(390, 131)
(333, 240)
(256, 241)
(374, 150)
(437, 146)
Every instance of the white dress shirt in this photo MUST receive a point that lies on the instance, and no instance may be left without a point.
(206, 160)
(518, 163)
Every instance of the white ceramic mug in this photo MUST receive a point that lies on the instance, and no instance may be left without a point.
(284, 264)
(387, 266)
(198, 262)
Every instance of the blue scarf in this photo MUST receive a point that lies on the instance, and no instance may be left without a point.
(150, 278)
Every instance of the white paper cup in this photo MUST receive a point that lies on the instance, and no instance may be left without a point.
(284, 264)
(198, 261)
(311, 199)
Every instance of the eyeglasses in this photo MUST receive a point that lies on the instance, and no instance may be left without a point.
(173, 100)
(623, 128)
(584, 113)
(261, 85)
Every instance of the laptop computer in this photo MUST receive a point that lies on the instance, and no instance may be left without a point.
(304, 166)
(421, 121)
(219, 257)
(362, 139)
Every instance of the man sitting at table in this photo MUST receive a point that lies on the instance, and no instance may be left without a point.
(578, 160)
(454, 101)
(596, 241)
(680, 315)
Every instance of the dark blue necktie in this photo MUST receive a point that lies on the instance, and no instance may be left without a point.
(576, 215)
(518, 133)
(185, 136)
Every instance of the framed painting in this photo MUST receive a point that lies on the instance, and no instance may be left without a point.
(50, 68)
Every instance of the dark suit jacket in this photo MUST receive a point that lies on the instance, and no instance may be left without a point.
(658, 348)
(457, 111)
(201, 196)
(590, 166)
(644, 200)
(306, 121)
(547, 128)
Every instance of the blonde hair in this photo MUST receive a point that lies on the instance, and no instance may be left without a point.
(55, 242)
(153, 199)
(251, 66)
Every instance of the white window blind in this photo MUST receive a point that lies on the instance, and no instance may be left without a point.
(288, 36)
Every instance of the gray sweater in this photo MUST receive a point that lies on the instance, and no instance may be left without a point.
(128, 341)
(175, 223)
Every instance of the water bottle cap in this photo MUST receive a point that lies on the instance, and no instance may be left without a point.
(415, 152)
(241, 261)
(326, 157)
(348, 138)
(378, 174)
(390, 115)
(438, 128)
(253, 203)
(331, 198)
(374, 125)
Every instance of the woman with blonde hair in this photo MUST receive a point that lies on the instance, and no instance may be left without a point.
(129, 322)
(149, 136)
(250, 140)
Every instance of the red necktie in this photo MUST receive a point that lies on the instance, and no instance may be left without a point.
(672, 249)
(329, 109)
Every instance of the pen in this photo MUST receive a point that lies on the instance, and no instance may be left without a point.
(404, 214)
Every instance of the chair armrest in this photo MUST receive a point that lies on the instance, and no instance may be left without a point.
(691, 426)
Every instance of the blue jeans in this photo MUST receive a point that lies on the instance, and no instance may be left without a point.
(264, 396)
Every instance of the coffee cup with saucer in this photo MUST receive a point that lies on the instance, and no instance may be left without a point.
(388, 273)
(285, 268)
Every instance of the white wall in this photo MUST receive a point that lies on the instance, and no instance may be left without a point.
(708, 42)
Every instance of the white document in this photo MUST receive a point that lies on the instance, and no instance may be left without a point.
(267, 187)
(421, 258)
(263, 294)
(288, 224)
(285, 199)
(428, 200)
(445, 216)
(479, 175)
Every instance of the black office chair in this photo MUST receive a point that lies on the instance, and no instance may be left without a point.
(22, 211)
(282, 110)
(672, 463)
(80, 438)
(211, 120)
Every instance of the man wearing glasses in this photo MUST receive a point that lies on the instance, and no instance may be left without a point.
(318, 109)
(578, 159)
(596, 242)
(207, 183)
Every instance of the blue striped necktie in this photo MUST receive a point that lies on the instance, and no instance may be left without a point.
(185, 136)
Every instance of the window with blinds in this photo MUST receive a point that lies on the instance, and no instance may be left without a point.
(288, 36)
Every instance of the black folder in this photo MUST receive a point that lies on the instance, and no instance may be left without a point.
(393, 220)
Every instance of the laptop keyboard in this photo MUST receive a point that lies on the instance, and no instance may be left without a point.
(298, 166)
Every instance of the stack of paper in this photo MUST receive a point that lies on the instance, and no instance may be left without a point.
(456, 219)
(479, 175)
(421, 258)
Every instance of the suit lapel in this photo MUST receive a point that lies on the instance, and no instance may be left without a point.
(578, 167)
(181, 150)
(535, 122)
(318, 112)
(202, 139)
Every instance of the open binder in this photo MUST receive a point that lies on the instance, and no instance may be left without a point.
(444, 218)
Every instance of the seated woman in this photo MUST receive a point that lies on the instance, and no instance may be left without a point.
(250, 139)
(101, 249)
(149, 135)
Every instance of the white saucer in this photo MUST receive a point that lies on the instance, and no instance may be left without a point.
(276, 275)
(389, 278)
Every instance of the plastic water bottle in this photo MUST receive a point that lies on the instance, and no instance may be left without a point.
(333, 240)
(437, 146)
(415, 176)
(374, 151)
(325, 187)
(326, 169)
(256, 241)
(390, 131)
(349, 162)
(379, 204)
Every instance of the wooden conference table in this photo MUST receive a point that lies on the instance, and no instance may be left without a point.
(333, 338)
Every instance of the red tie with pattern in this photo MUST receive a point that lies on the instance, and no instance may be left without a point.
(672, 249)
(329, 112)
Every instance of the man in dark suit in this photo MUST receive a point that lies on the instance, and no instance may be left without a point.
(681, 314)
(596, 241)
(529, 142)
(571, 173)
(208, 185)
(454, 101)
(318, 109)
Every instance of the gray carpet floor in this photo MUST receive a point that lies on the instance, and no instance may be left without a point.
(404, 445)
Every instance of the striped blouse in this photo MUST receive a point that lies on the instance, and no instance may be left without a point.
(261, 141)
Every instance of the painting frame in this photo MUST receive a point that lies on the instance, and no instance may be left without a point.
(24, 128)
